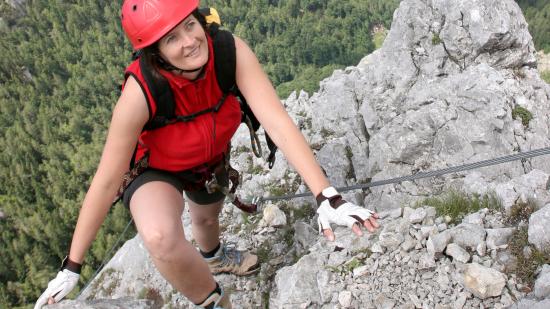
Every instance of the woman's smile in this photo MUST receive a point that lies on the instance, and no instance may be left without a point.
(193, 52)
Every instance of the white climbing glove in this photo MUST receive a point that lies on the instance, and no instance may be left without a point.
(334, 209)
(61, 285)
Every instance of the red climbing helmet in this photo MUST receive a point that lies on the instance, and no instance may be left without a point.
(146, 21)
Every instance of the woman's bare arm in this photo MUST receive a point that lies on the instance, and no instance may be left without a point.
(266, 106)
(129, 116)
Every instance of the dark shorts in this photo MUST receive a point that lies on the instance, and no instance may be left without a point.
(200, 197)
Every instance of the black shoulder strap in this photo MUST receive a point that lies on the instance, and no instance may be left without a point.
(162, 96)
(225, 58)
(225, 63)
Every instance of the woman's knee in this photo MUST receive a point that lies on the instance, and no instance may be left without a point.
(162, 243)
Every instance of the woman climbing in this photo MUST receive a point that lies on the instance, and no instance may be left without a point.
(180, 156)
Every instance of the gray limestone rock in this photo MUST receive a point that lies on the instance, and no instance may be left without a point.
(498, 237)
(457, 253)
(475, 218)
(427, 262)
(468, 235)
(383, 302)
(304, 234)
(273, 216)
(542, 285)
(298, 283)
(482, 281)
(437, 243)
(345, 298)
(417, 216)
(531, 304)
(539, 229)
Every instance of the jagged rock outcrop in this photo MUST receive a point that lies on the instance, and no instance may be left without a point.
(539, 229)
(440, 92)
(443, 90)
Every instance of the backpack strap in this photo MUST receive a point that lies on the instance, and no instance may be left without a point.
(225, 63)
(225, 58)
(162, 95)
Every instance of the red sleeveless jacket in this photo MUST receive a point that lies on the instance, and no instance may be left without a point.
(184, 145)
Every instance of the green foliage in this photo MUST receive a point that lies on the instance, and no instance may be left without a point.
(537, 14)
(264, 252)
(436, 40)
(457, 204)
(61, 63)
(301, 212)
(308, 79)
(348, 266)
(300, 43)
(522, 113)
(545, 75)
(379, 38)
(520, 212)
(526, 265)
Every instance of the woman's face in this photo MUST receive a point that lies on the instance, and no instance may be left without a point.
(185, 47)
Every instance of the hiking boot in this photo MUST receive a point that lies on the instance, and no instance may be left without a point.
(216, 301)
(230, 260)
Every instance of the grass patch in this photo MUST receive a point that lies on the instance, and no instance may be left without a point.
(523, 114)
(288, 235)
(545, 75)
(265, 299)
(302, 212)
(241, 149)
(436, 40)
(278, 191)
(249, 223)
(526, 265)
(97, 285)
(363, 253)
(264, 252)
(347, 267)
(326, 133)
(457, 204)
(255, 169)
(520, 212)
(378, 38)
(288, 185)
(152, 294)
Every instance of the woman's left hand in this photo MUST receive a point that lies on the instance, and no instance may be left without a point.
(334, 209)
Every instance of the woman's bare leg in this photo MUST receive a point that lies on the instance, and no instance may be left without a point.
(157, 208)
(205, 224)
(206, 230)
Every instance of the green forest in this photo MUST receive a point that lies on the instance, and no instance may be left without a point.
(537, 14)
(61, 68)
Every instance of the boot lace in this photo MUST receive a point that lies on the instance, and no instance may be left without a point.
(230, 255)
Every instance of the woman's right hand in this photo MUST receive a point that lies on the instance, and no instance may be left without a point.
(59, 287)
